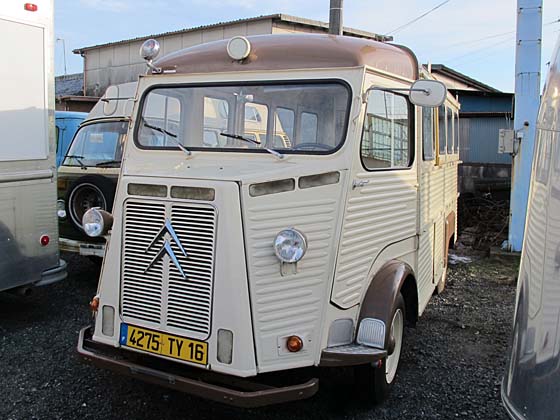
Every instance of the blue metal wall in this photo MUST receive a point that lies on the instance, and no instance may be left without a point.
(479, 139)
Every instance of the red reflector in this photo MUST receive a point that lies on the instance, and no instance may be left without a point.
(30, 7)
(45, 240)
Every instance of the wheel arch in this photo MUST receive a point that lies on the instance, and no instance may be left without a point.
(393, 277)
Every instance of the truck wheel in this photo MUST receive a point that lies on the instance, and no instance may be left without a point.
(87, 192)
(375, 382)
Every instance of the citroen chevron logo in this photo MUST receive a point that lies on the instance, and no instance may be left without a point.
(167, 248)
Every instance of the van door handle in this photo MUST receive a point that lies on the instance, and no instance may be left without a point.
(359, 183)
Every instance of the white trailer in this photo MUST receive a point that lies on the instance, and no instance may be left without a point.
(28, 225)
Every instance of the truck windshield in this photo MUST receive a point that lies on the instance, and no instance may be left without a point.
(286, 117)
(98, 144)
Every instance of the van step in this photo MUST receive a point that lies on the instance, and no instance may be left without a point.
(351, 355)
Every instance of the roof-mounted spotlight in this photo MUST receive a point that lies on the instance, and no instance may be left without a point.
(239, 48)
(148, 51)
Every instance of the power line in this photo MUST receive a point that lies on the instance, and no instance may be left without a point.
(477, 50)
(418, 18)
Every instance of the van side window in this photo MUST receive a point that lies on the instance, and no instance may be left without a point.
(442, 130)
(450, 130)
(385, 137)
(428, 138)
(456, 132)
(308, 128)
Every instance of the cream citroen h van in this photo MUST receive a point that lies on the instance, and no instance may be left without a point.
(232, 258)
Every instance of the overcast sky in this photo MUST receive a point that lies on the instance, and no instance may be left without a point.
(475, 37)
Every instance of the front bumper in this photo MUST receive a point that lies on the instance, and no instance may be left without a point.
(54, 274)
(82, 248)
(201, 383)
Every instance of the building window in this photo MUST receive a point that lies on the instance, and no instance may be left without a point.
(385, 138)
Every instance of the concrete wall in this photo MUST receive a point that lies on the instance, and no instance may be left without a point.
(115, 64)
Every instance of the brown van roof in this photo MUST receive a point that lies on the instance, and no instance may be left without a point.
(281, 52)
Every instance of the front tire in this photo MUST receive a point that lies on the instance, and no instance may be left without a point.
(375, 382)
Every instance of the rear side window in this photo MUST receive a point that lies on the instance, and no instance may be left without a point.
(386, 133)
(456, 132)
(450, 130)
(428, 138)
(442, 128)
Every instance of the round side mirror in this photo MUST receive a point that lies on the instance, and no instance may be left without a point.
(428, 93)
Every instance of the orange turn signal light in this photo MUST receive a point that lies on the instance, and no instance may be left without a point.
(294, 343)
(94, 304)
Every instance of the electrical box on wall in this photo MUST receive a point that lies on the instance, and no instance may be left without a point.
(506, 140)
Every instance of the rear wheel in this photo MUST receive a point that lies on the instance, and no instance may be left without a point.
(375, 382)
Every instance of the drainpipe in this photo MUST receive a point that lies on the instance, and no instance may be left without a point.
(335, 17)
(527, 101)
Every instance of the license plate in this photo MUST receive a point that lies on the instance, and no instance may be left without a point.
(164, 344)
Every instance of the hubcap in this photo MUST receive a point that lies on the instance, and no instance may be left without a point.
(392, 362)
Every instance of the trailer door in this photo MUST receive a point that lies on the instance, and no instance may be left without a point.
(23, 104)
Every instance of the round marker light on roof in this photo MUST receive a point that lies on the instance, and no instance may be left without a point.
(239, 48)
(149, 49)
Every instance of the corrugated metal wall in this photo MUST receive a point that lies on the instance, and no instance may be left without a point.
(479, 139)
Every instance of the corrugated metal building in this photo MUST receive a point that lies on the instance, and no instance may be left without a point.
(120, 61)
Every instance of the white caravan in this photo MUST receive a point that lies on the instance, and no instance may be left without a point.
(231, 261)
(28, 225)
(532, 383)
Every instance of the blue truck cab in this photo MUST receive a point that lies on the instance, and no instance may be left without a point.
(67, 123)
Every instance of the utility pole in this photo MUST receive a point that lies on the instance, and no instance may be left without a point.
(527, 101)
(335, 17)
(63, 51)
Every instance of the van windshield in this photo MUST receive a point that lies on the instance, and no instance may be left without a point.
(97, 144)
(287, 117)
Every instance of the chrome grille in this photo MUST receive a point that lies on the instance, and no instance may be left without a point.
(161, 297)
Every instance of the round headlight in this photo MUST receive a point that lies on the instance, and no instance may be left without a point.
(290, 245)
(61, 209)
(93, 223)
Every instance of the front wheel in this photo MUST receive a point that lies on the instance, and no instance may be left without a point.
(375, 382)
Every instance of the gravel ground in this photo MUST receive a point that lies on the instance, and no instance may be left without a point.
(451, 367)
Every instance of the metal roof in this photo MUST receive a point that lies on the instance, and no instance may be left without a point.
(278, 17)
(69, 84)
(454, 74)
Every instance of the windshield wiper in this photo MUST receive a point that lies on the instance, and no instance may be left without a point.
(108, 162)
(78, 159)
(249, 140)
(169, 133)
